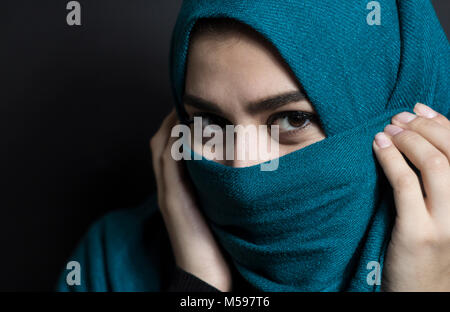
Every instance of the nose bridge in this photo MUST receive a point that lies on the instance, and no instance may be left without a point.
(245, 145)
(244, 142)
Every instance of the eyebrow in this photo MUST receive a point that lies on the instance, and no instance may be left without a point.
(270, 103)
(201, 104)
(275, 102)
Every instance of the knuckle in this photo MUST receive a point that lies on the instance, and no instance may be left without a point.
(152, 144)
(406, 137)
(441, 119)
(406, 181)
(420, 123)
(436, 162)
(429, 236)
(422, 236)
(427, 239)
(153, 141)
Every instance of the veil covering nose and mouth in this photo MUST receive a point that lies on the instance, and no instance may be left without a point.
(320, 220)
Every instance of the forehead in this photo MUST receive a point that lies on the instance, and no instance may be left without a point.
(236, 65)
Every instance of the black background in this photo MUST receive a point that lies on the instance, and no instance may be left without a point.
(78, 106)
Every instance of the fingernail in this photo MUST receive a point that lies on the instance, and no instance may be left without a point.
(392, 130)
(425, 111)
(405, 117)
(382, 140)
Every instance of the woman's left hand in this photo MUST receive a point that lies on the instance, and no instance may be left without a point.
(418, 255)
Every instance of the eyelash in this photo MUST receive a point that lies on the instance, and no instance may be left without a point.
(307, 117)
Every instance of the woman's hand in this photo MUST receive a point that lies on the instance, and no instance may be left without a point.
(193, 244)
(418, 256)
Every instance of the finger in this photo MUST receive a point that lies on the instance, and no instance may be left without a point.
(159, 140)
(172, 167)
(432, 163)
(433, 131)
(408, 195)
(158, 144)
(427, 112)
(185, 212)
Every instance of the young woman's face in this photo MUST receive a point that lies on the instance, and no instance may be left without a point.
(238, 80)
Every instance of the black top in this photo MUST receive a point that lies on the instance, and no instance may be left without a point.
(183, 281)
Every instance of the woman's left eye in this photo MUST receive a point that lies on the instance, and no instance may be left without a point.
(290, 121)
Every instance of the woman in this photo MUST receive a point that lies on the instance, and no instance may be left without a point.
(343, 94)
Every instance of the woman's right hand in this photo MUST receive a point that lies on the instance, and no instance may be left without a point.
(195, 249)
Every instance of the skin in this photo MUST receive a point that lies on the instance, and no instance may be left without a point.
(231, 77)
(418, 256)
(239, 81)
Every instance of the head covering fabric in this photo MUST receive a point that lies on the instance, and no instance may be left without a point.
(320, 220)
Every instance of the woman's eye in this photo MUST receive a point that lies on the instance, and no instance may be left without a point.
(291, 121)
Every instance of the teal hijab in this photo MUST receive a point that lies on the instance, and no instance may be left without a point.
(322, 220)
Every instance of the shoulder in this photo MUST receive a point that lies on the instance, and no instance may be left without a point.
(125, 250)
